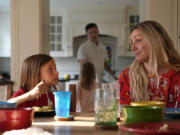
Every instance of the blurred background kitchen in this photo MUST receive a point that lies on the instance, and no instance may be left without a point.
(113, 19)
(66, 32)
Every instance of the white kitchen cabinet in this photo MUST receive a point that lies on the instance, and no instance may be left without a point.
(58, 34)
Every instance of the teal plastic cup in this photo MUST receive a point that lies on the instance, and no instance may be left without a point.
(62, 103)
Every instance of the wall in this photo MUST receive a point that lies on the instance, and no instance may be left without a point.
(143, 8)
(167, 15)
(5, 39)
(29, 30)
(65, 3)
(160, 13)
(69, 65)
(5, 36)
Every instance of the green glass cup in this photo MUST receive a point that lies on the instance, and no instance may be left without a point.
(105, 107)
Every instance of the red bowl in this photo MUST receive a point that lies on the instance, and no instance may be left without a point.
(15, 118)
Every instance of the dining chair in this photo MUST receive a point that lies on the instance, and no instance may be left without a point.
(6, 89)
(72, 88)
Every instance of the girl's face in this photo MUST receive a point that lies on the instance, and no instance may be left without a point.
(49, 73)
(139, 47)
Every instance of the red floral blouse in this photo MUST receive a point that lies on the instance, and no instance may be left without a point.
(168, 92)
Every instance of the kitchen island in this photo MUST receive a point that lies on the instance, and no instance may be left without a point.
(83, 124)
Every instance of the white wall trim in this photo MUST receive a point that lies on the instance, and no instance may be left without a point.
(28, 36)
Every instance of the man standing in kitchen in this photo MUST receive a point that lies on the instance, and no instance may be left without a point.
(94, 51)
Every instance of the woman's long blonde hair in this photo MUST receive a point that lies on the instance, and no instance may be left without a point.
(162, 53)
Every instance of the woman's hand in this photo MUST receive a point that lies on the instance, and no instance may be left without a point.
(40, 89)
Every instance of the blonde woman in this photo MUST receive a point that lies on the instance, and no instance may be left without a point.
(154, 75)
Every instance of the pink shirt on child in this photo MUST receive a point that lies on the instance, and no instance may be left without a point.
(85, 99)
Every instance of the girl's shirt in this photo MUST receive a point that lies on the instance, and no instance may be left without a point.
(41, 101)
(168, 90)
(85, 99)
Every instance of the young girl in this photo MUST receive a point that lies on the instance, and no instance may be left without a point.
(37, 77)
(86, 89)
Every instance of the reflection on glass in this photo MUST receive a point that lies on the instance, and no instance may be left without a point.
(59, 47)
(65, 130)
(132, 19)
(53, 19)
(52, 38)
(59, 28)
(59, 19)
(137, 18)
(52, 47)
(59, 37)
(52, 28)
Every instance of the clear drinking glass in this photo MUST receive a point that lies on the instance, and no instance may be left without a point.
(105, 106)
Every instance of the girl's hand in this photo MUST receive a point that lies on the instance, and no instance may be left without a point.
(40, 89)
(35, 93)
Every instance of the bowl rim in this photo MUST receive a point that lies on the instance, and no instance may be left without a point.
(6, 102)
(62, 92)
(17, 109)
(147, 103)
(143, 107)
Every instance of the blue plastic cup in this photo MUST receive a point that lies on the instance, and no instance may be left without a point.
(62, 103)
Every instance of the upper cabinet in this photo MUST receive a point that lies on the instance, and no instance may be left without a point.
(58, 33)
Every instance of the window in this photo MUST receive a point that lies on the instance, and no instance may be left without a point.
(133, 20)
(56, 33)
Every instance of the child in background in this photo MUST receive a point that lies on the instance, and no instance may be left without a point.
(37, 77)
(86, 88)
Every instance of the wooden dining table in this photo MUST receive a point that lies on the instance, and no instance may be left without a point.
(83, 124)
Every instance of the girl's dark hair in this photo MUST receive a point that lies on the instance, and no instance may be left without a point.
(30, 74)
(87, 76)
